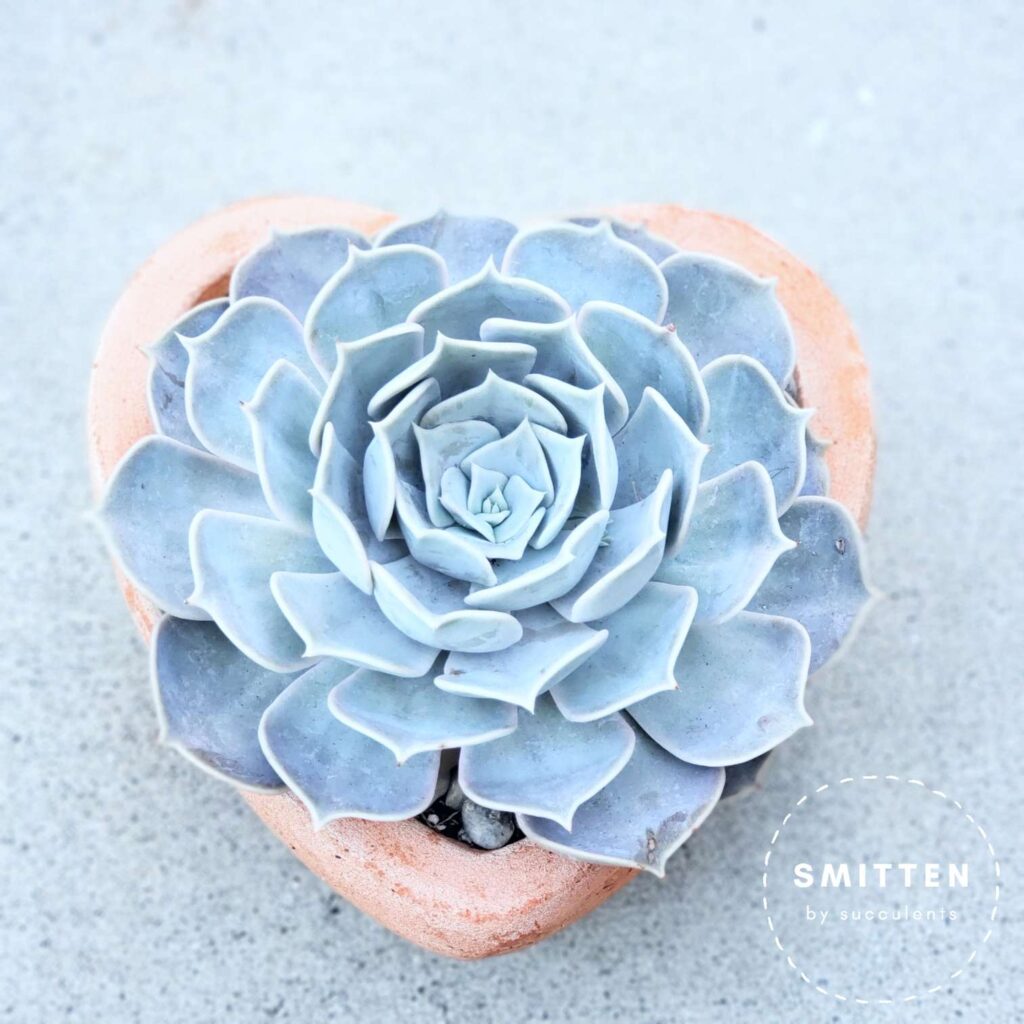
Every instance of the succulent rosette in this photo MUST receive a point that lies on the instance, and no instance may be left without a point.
(540, 500)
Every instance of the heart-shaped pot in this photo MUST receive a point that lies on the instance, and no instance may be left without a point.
(431, 890)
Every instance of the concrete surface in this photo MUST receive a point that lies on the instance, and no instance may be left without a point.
(880, 141)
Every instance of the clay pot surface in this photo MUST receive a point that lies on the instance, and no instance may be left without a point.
(435, 892)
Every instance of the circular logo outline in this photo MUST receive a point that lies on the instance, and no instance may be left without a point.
(879, 1001)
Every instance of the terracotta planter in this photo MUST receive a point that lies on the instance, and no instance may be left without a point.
(435, 892)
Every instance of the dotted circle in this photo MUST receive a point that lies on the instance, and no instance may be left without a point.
(916, 997)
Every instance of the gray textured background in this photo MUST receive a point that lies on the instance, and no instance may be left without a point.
(880, 141)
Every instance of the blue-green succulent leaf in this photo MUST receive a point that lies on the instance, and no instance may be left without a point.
(741, 691)
(459, 311)
(565, 461)
(550, 649)
(226, 366)
(541, 575)
(719, 309)
(563, 355)
(584, 412)
(638, 353)
(741, 778)
(336, 771)
(632, 549)
(733, 541)
(457, 365)
(657, 438)
(430, 608)
(293, 266)
(337, 620)
(168, 365)
(548, 766)
(374, 290)
(210, 698)
(516, 454)
(410, 716)
(751, 419)
(449, 551)
(150, 502)
(822, 582)
(816, 479)
(393, 455)
(499, 402)
(233, 558)
(522, 501)
(658, 248)
(442, 447)
(362, 366)
(584, 264)
(639, 657)
(340, 520)
(279, 416)
(641, 817)
(465, 244)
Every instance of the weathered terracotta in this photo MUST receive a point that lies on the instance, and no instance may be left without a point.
(437, 893)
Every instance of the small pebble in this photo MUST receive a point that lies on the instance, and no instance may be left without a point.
(486, 828)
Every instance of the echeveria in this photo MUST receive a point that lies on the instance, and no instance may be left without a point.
(543, 496)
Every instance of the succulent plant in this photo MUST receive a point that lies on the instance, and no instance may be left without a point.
(540, 497)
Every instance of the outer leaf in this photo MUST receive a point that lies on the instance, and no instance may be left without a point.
(293, 266)
(226, 366)
(822, 582)
(583, 264)
(733, 541)
(658, 248)
(233, 559)
(338, 772)
(719, 309)
(168, 364)
(466, 244)
(751, 420)
(210, 698)
(459, 311)
(816, 480)
(151, 500)
(548, 766)
(641, 817)
(741, 691)
(374, 290)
